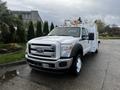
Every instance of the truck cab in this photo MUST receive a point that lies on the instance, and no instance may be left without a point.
(62, 49)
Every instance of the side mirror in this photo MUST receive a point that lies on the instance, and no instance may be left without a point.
(91, 36)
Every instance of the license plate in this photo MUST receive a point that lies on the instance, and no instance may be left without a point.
(45, 65)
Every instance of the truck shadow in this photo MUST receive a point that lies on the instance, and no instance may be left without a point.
(60, 80)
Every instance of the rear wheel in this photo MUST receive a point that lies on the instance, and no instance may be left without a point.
(77, 64)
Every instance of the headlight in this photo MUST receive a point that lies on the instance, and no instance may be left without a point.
(66, 50)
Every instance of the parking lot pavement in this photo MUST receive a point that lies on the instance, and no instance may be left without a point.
(99, 72)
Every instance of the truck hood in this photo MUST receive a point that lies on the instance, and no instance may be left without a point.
(60, 39)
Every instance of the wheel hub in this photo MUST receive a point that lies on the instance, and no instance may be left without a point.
(78, 64)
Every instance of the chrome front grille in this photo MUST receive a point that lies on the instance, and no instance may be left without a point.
(42, 50)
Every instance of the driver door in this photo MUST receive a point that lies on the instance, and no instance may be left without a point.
(85, 41)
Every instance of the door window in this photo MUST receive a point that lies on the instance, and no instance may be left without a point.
(84, 34)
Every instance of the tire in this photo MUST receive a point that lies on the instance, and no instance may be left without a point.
(76, 65)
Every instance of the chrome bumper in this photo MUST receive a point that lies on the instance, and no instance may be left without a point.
(57, 64)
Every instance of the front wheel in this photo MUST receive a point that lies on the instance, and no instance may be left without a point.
(77, 64)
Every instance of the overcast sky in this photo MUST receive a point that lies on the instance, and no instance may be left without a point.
(58, 10)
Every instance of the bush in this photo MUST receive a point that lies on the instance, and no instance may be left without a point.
(5, 34)
(7, 48)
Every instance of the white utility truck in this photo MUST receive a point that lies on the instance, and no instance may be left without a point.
(63, 48)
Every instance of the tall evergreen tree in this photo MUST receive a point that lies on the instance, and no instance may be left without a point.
(20, 34)
(30, 33)
(46, 28)
(51, 26)
(12, 33)
(39, 29)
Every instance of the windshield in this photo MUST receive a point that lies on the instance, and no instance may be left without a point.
(65, 31)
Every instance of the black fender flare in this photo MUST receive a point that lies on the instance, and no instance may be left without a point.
(76, 49)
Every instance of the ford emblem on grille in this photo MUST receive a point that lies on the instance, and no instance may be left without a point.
(40, 50)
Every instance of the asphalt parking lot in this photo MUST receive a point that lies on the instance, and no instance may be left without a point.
(99, 72)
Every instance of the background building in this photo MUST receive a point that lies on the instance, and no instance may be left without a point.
(28, 16)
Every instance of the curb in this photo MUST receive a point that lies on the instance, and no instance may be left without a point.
(13, 63)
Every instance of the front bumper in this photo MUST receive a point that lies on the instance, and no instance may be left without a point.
(59, 64)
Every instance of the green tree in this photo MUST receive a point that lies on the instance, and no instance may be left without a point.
(12, 33)
(51, 26)
(100, 26)
(30, 33)
(5, 15)
(3, 10)
(11, 21)
(45, 28)
(20, 32)
(5, 34)
(107, 28)
(39, 29)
